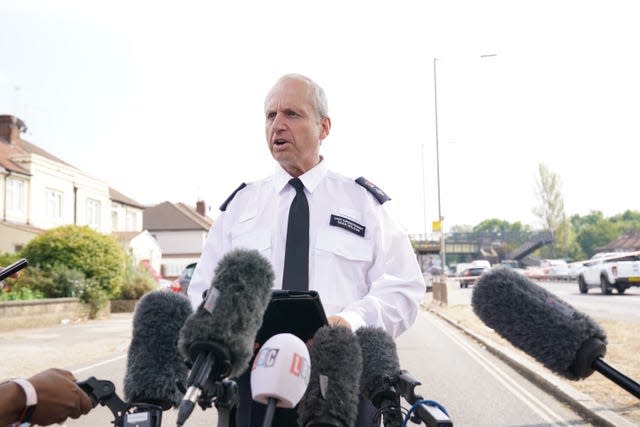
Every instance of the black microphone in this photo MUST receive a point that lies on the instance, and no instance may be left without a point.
(332, 398)
(531, 318)
(380, 368)
(219, 337)
(154, 364)
(384, 383)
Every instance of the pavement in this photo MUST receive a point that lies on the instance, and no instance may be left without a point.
(584, 405)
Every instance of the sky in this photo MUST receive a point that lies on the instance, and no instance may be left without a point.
(164, 100)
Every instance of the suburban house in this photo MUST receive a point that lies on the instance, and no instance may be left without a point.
(181, 232)
(626, 242)
(39, 191)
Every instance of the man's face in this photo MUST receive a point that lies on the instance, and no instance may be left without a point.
(293, 128)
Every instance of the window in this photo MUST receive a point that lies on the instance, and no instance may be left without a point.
(114, 221)
(15, 197)
(131, 221)
(54, 204)
(93, 213)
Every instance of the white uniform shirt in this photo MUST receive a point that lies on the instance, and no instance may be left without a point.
(368, 280)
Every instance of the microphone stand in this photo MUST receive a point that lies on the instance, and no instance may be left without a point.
(104, 393)
(271, 410)
(212, 363)
(226, 402)
(432, 416)
(589, 359)
(617, 377)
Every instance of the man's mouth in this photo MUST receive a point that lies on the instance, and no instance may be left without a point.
(280, 142)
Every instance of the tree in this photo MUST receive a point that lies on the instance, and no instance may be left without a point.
(593, 231)
(551, 209)
(99, 257)
(495, 225)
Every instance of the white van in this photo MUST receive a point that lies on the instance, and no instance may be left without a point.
(481, 263)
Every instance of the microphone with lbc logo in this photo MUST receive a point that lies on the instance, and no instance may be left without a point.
(280, 373)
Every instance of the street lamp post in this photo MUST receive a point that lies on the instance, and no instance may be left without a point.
(440, 218)
(435, 93)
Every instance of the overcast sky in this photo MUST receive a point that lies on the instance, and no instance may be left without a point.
(172, 93)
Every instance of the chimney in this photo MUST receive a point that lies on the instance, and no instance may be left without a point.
(10, 128)
(201, 207)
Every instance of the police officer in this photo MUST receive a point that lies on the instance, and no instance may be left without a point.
(353, 253)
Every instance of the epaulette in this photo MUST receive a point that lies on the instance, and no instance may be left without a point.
(380, 195)
(223, 207)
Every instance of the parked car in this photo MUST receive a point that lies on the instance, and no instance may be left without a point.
(471, 275)
(181, 284)
(611, 270)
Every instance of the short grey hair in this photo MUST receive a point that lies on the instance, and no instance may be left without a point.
(319, 101)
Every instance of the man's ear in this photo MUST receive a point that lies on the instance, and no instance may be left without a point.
(325, 125)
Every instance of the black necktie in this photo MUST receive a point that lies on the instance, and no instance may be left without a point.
(296, 255)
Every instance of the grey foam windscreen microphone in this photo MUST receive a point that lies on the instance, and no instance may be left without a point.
(332, 397)
(379, 363)
(232, 312)
(154, 364)
(539, 323)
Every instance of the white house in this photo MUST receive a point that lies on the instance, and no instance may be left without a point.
(39, 191)
(181, 232)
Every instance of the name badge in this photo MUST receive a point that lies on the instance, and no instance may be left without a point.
(347, 224)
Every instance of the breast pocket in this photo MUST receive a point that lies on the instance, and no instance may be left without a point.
(258, 240)
(342, 262)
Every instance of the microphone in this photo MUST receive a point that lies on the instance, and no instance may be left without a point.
(380, 367)
(154, 365)
(219, 337)
(531, 318)
(383, 383)
(332, 395)
(280, 373)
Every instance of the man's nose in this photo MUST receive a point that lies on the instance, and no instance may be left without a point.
(279, 122)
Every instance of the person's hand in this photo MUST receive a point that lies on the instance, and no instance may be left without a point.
(59, 397)
(338, 321)
(14, 275)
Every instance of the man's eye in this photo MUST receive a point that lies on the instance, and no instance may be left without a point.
(291, 113)
(270, 116)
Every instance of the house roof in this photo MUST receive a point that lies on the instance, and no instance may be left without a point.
(23, 227)
(169, 216)
(629, 241)
(22, 147)
(125, 236)
(7, 151)
(34, 149)
(117, 196)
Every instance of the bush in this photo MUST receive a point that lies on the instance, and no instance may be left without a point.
(7, 258)
(64, 282)
(18, 289)
(94, 295)
(80, 250)
(10, 293)
(34, 279)
(138, 281)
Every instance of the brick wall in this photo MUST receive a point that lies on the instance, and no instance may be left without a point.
(45, 312)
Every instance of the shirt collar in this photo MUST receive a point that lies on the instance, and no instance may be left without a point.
(310, 178)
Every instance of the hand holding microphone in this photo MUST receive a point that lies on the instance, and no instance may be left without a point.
(280, 373)
(564, 340)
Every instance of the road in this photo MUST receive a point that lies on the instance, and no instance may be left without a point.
(476, 388)
(624, 307)
(615, 307)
